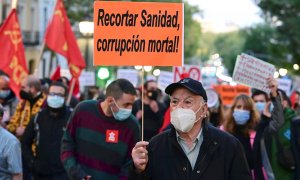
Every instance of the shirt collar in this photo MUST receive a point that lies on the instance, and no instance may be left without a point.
(197, 138)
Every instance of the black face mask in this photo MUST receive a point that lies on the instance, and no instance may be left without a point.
(152, 94)
(56, 111)
(25, 95)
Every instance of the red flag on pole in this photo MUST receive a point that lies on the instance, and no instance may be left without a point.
(13, 61)
(76, 90)
(56, 74)
(60, 38)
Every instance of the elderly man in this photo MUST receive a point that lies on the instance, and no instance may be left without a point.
(32, 101)
(191, 149)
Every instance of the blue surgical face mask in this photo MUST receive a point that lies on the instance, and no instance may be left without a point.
(241, 117)
(122, 114)
(55, 101)
(4, 93)
(260, 106)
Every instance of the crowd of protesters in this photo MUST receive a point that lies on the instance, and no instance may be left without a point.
(42, 136)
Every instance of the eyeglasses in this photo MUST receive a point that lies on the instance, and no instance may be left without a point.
(56, 94)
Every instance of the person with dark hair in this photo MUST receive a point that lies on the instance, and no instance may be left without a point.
(271, 120)
(95, 93)
(8, 100)
(45, 130)
(282, 141)
(10, 154)
(153, 110)
(100, 135)
(74, 101)
(192, 148)
(46, 82)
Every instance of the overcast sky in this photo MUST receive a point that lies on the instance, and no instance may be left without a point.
(221, 12)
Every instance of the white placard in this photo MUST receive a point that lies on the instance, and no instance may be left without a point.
(164, 79)
(285, 85)
(253, 72)
(129, 74)
(87, 78)
(193, 72)
(212, 98)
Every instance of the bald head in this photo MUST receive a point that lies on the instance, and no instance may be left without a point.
(32, 85)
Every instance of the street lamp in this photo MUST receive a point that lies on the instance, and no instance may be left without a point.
(86, 28)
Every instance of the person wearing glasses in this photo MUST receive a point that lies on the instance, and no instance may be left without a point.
(192, 148)
(45, 130)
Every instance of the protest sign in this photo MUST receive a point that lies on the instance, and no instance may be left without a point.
(192, 71)
(129, 74)
(212, 98)
(138, 33)
(253, 72)
(87, 78)
(228, 93)
(285, 85)
(164, 79)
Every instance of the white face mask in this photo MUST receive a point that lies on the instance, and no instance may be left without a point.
(183, 119)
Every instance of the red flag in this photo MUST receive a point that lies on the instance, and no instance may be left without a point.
(76, 90)
(13, 61)
(56, 75)
(61, 39)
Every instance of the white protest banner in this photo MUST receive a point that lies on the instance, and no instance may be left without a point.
(164, 79)
(129, 74)
(192, 71)
(285, 85)
(212, 97)
(87, 78)
(253, 72)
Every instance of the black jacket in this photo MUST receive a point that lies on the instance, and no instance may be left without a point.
(152, 121)
(265, 129)
(46, 131)
(221, 156)
(296, 145)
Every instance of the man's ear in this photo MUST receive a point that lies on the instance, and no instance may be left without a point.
(110, 99)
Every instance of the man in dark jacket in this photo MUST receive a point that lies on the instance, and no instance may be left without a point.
(191, 149)
(45, 130)
(153, 110)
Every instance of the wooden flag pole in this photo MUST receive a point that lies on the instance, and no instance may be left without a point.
(37, 65)
(142, 129)
(71, 92)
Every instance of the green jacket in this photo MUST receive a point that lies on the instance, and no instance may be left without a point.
(284, 137)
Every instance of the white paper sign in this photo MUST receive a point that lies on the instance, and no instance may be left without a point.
(285, 85)
(212, 98)
(253, 72)
(192, 71)
(87, 78)
(129, 74)
(164, 79)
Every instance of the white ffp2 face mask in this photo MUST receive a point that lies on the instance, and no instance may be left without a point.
(183, 119)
